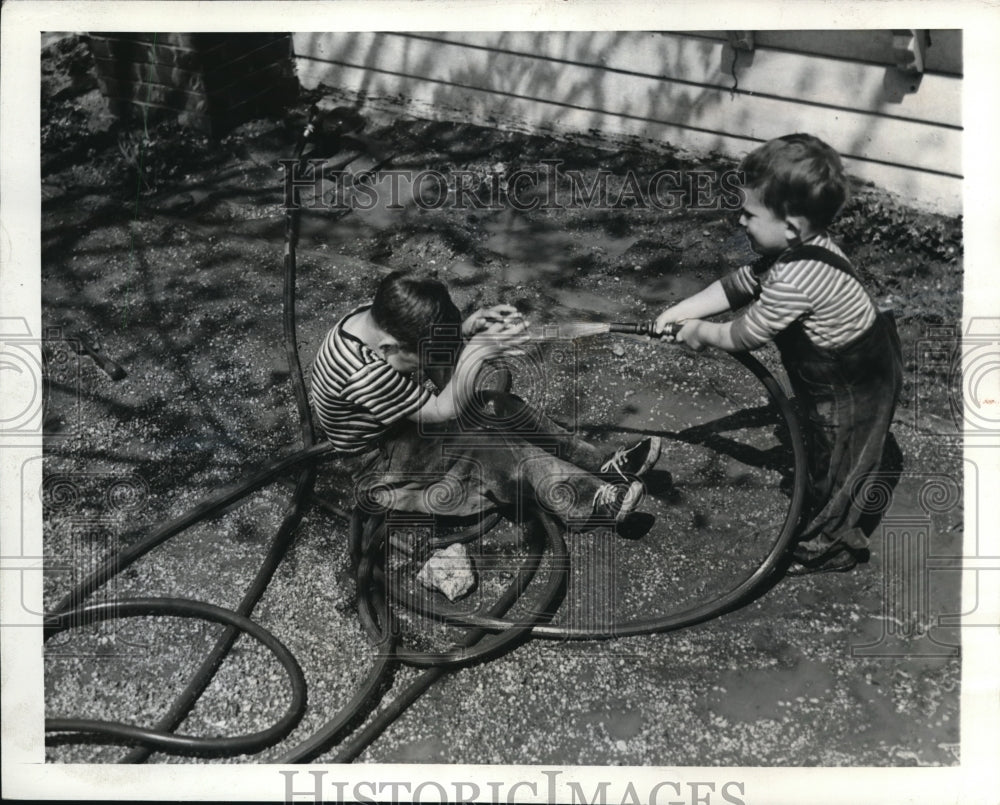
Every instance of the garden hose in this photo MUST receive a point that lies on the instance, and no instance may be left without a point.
(160, 739)
(303, 487)
(203, 676)
(372, 598)
(212, 507)
(354, 711)
(493, 621)
(488, 635)
(386, 639)
(508, 598)
(741, 593)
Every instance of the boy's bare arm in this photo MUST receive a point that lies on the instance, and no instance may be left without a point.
(496, 340)
(699, 334)
(707, 302)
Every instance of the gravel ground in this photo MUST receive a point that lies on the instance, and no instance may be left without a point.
(174, 262)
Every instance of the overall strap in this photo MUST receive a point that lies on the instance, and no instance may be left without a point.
(822, 255)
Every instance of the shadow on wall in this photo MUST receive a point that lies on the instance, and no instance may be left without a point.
(562, 80)
(692, 90)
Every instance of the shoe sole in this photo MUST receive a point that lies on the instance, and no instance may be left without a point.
(633, 497)
(655, 445)
(835, 565)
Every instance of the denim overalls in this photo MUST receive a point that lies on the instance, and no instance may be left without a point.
(848, 396)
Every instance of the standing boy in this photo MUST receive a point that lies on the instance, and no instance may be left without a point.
(841, 353)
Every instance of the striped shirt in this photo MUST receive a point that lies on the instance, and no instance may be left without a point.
(356, 395)
(832, 306)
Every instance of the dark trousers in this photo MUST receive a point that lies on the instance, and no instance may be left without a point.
(848, 397)
(495, 456)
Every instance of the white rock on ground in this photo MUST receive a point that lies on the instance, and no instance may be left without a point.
(449, 570)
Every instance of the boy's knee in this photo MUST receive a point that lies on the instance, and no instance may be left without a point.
(494, 378)
(502, 409)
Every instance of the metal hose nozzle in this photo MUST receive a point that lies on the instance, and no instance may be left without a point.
(644, 328)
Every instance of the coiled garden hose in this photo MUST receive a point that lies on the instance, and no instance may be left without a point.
(488, 636)
(303, 486)
(350, 751)
(743, 592)
(163, 739)
(376, 613)
(303, 489)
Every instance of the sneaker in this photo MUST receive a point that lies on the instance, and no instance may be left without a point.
(839, 560)
(615, 502)
(632, 462)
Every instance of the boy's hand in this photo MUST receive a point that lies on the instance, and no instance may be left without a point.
(666, 318)
(485, 317)
(499, 338)
(691, 335)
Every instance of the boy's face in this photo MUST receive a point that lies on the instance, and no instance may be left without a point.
(398, 357)
(768, 232)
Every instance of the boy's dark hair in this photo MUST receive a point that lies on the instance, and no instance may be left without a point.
(408, 308)
(798, 174)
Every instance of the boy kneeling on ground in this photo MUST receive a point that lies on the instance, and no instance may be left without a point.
(409, 451)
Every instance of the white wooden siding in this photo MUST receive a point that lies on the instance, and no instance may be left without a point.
(944, 55)
(901, 132)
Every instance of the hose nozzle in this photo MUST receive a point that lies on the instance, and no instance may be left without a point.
(645, 328)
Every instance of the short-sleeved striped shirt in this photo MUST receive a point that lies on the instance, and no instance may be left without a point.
(356, 395)
(832, 306)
